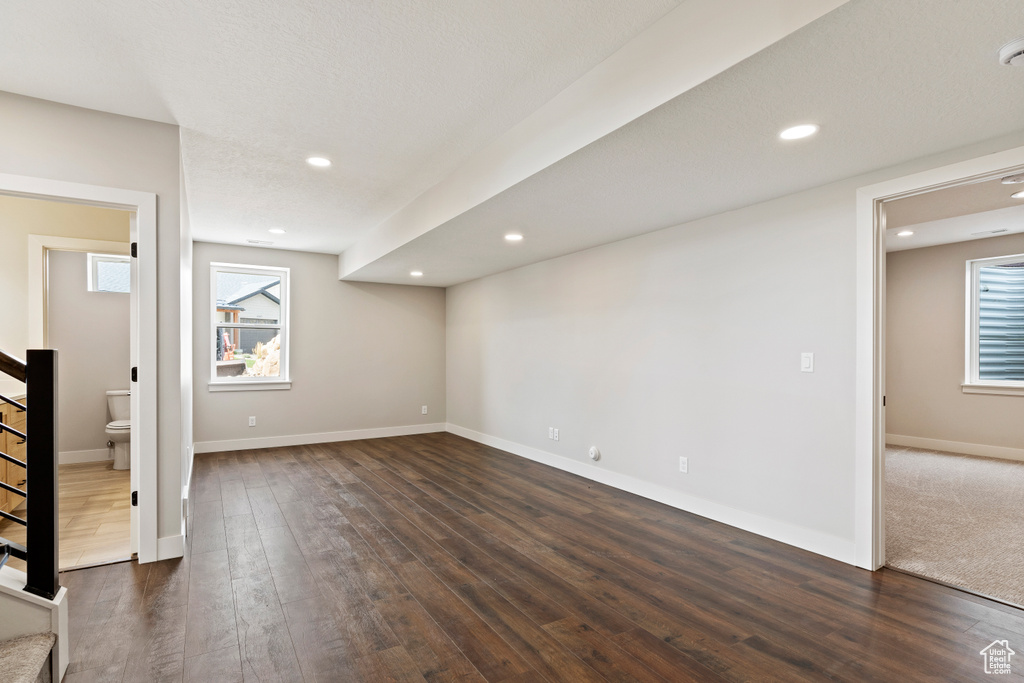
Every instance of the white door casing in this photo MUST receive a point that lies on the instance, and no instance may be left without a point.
(869, 429)
(142, 206)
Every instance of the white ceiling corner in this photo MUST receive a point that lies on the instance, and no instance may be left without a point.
(406, 97)
(689, 45)
(856, 71)
(397, 94)
(959, 228)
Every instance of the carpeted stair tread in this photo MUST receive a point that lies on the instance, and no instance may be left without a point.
(22, 658)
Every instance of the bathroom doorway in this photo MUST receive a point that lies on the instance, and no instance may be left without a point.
(87, 321)
(85, 278)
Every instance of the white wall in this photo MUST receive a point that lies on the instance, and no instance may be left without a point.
(686, 342)
(90, 332)
(47, 140)
(363, 357)
(925, 318)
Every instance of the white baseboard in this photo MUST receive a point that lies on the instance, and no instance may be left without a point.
(1001, 452)
(94, 455)
(322, 437)
(169, 547)
(808, 539)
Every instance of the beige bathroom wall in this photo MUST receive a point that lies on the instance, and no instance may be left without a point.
(20, 218)
(91, 334)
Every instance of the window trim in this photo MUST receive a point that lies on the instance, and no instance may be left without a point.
(93, 259)
(283, 380)
(972, 382)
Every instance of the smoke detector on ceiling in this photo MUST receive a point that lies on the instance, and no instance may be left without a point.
(1012, 54)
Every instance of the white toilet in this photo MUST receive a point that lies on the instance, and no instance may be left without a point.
(119, 430)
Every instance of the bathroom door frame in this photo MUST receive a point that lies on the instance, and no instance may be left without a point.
(39, 248)
(143, 344)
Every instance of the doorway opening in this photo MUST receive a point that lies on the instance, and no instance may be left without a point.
(140, 209)
(954, 386)
(876, 206)
(85, 281)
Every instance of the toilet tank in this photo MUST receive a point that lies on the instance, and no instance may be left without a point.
(120, 404)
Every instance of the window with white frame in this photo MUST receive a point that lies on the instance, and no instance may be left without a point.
(249, 308)
(995, 322)
(109, 273)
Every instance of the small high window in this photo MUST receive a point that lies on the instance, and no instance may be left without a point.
(995, 315)
(249, 348)
(109, 273)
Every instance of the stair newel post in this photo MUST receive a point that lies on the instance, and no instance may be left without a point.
(41, 473)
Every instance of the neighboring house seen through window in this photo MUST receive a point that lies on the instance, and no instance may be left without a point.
(995, 343)
(249, 348)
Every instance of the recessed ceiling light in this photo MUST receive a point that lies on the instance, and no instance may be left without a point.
(804, 130)
(277, 231)
(319, 162)
(1017, 195)
(1013, 179)
(514, 237)
(416, 273)
(905, 233)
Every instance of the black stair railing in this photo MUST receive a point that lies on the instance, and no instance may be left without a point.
(39, 373)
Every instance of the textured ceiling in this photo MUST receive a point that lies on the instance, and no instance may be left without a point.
(400, 95)
(959, 200)
(958, 228)
(397, 94)
(859, 72)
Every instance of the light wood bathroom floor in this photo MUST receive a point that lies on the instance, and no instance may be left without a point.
(95, 514)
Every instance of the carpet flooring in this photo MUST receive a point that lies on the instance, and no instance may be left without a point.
(22, 658)
(957, 519)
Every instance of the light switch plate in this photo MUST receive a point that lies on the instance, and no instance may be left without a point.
(807, 362)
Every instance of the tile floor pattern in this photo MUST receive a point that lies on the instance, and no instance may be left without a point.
(95, 515)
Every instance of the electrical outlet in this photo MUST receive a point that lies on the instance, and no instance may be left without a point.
(684, 467)
(556, 433)
(252, 420)
(551, 432)
(423, 410)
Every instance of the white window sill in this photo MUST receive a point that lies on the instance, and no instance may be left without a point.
(999, 389)
(251, 385)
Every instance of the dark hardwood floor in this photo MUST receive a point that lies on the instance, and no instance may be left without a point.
(434, 558)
